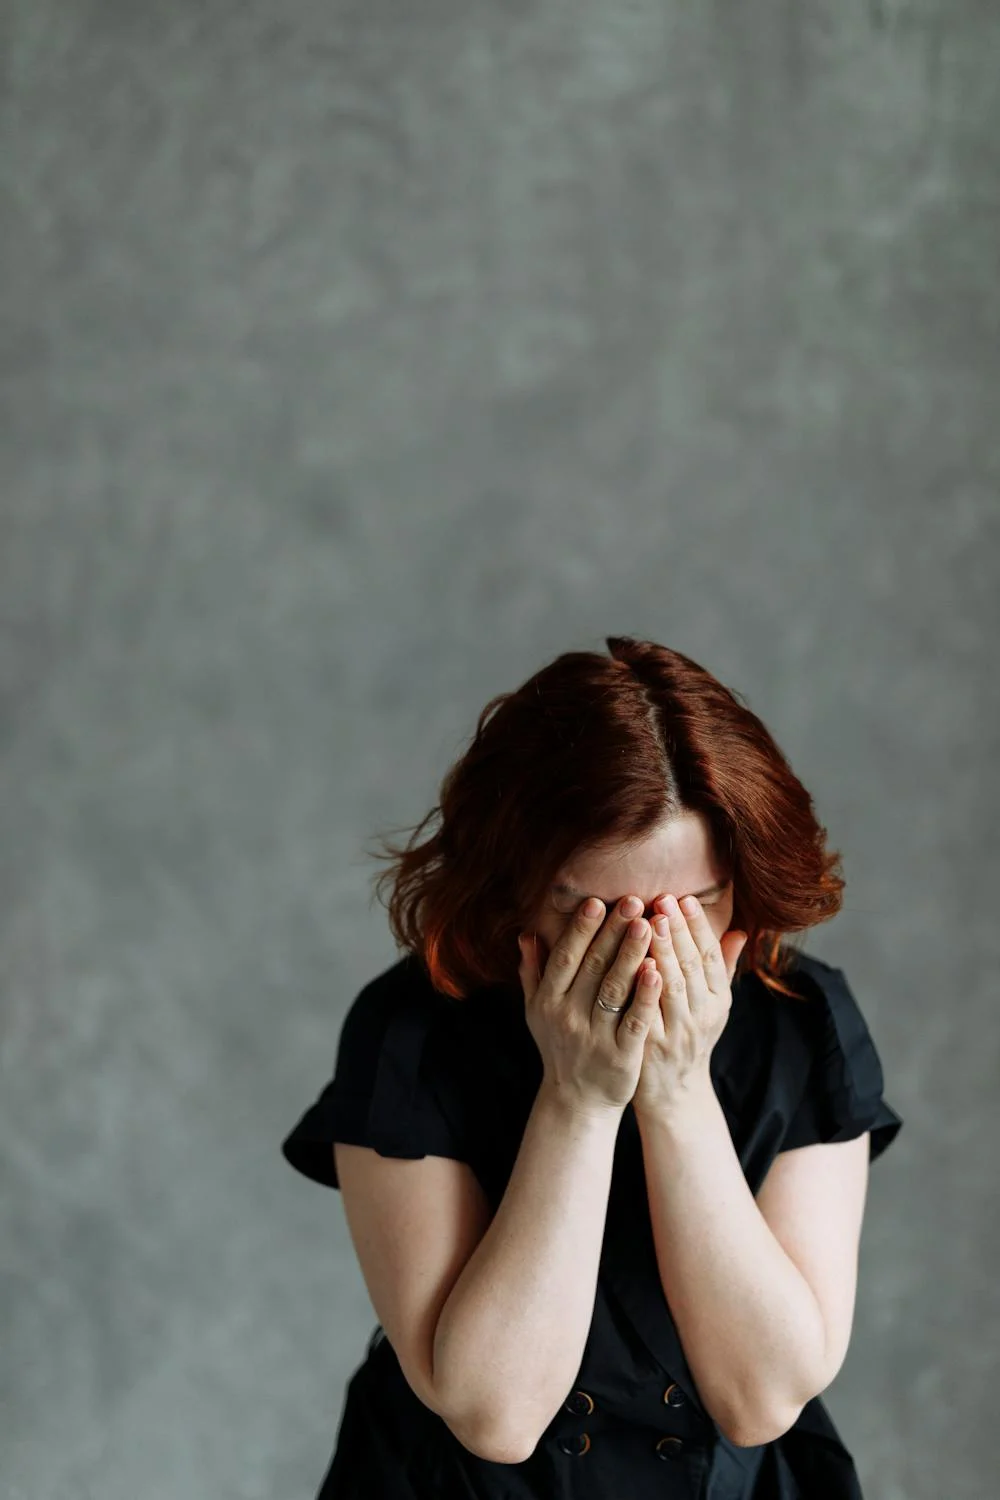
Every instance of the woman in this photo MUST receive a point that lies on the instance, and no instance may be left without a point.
(605, 1182)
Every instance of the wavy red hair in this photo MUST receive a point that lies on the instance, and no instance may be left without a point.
(596, 750)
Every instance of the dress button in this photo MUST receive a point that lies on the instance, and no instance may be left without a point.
(674, 1396)
(669, 1447)
(580, 1404)
(577, 1444)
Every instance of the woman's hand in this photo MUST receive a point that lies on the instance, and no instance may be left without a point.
(591, 1057)
(696, 975)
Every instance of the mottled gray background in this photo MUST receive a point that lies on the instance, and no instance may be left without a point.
(356, 359)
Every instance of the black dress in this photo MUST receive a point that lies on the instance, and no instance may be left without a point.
(418, 1074)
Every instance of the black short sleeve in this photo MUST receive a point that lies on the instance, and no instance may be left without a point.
(388, 1088)
(844, 1089)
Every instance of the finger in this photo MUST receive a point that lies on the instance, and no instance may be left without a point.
(604, 951)
(699, 933)
(614, 944)
(616, 985)
(674, 996)
(571, 945)
(528, 967)
(732, 944)
(687, 956)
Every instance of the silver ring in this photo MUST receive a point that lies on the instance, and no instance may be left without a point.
(614, 1009)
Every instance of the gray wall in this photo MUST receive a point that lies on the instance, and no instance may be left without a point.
(356, 360)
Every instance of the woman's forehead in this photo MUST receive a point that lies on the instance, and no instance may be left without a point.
(575, 893)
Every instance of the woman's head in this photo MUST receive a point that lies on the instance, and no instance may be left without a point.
(602, 769)
(678, 856)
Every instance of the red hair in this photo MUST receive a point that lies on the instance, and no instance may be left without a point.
(597, 750)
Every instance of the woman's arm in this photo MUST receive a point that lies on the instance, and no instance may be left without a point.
(751, 1327)
(512, 1334)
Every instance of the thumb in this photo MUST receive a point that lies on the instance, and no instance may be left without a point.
(732, 945)
(528, 967)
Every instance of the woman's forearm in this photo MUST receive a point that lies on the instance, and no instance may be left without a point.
(512, 1334)
(750, 1326)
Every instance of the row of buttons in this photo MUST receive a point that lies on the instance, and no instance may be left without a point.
(581, 1404)
(667, 1447)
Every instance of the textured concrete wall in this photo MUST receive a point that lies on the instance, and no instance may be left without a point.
(356, 359)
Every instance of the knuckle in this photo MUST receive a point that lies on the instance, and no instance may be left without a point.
(562, 960)
(593, 963)
(613, 989)
(564, 1022)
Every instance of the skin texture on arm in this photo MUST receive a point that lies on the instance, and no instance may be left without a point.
(813, 1200)
(764, 1313)
(512, 1333)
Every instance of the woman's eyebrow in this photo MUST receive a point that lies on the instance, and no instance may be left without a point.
(571, 890)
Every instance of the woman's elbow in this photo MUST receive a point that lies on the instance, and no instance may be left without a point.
(753, 1431)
